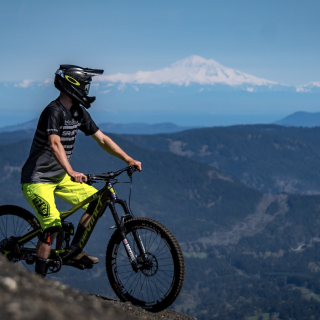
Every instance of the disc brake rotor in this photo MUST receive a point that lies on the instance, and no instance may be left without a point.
(150, 265)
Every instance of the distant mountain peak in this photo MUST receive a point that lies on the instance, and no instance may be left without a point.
(193, 69)
(301, 119)
(311, 86)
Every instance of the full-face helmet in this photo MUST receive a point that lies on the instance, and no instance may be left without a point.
(75, 82)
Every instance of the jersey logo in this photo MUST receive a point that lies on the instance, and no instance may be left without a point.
(42, 206)
(71, 122)
(69, 133)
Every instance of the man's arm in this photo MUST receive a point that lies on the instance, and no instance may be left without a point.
(60, 155)
(108, 145)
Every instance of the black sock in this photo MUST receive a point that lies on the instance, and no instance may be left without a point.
(41, 266)
(79, 233)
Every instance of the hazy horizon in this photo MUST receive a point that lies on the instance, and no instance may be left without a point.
(218, 63)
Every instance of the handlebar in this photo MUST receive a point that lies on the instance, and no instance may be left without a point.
(109, 175)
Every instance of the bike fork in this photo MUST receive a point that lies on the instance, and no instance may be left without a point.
(120, 224)
(133, 259)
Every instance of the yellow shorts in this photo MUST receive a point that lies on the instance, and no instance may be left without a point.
(41, 197)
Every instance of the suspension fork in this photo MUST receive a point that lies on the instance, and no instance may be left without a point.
(121, 227)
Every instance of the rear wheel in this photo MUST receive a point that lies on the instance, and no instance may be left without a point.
(15, 222)
(158, 283)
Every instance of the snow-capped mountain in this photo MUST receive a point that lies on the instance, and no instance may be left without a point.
(309, 87)
(193, 69)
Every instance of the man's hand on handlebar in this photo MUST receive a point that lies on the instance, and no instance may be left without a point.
(135, 163)
(77, 176)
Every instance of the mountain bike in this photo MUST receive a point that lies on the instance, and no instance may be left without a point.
(144, 262)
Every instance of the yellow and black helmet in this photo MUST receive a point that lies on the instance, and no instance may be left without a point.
(75, 82)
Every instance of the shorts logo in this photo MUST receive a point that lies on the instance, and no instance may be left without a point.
(42, 206)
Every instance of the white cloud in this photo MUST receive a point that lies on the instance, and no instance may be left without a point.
(193, 69)
(95, 86)
(250, 89)
(47, 81)
(201, 90)
(24, 84)
(106, 91)
(121, 86)
(135, 88)
(110, 85)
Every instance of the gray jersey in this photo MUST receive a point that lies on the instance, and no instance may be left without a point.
(41, 166)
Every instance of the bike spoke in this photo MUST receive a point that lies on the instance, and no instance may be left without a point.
(6, 225)
(139, 280)
(158, 252)
(162, 278)
(21, 225)
(19, 221)
(165, 273)
(126, 277)
(3, 231)
(133, 281)
(158, 289)
(162, 253)
(155, 236)
(15, 224)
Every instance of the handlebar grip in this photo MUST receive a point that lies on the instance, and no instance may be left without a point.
(83, 180)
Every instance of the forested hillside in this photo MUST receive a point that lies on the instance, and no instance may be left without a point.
(248, 254)
(270, 158)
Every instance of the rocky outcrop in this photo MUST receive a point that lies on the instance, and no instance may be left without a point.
(27, 296)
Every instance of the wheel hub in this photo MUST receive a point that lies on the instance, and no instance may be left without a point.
(10, 244)
(149, 265)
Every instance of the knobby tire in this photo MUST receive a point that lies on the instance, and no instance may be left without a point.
(154, 289)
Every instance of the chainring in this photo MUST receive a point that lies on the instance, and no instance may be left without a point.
(54, 264)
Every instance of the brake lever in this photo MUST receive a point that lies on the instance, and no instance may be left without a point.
(131, 170)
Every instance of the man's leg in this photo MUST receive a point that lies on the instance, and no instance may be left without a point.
(73, 193)
(43, 249)
(43, 252)
(41, 197)
(83, 223)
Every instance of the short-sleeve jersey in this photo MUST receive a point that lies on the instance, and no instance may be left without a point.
(41, 166)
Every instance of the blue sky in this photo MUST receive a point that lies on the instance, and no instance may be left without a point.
(274, 40)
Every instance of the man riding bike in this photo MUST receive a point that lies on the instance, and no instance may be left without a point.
(47, 171)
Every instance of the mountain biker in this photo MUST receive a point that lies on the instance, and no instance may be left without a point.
(47, 171)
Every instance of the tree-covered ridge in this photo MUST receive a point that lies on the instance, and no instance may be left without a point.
(270, 158)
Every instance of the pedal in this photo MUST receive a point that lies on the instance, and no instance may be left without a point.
(78, 265)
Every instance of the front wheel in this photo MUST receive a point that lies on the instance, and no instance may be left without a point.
(155, 286)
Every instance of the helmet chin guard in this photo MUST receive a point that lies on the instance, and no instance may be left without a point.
(75, 81)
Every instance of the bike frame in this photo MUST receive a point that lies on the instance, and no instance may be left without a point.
(106, 197)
